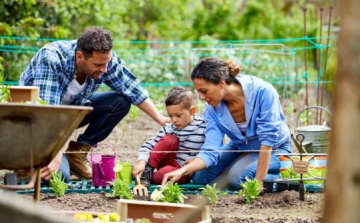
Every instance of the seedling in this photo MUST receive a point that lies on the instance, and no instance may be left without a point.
(171, 193)
(120, 189)
(212, 193)
(251, 190)
(57, 184)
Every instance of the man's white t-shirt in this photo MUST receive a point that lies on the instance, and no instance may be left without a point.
(74, 89)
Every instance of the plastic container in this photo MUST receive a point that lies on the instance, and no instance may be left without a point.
(123, 171)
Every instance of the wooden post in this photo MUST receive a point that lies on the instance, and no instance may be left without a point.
(343, 185)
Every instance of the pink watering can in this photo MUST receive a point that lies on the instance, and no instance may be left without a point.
(102, 167)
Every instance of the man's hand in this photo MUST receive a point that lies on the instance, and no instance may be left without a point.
(173, 176)
(163, 120)
(149, 108)
(139, 168)
(53, 166)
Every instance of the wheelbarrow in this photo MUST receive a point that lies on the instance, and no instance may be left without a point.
(32, 135)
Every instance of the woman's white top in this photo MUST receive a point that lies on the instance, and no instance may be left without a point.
(242, 127)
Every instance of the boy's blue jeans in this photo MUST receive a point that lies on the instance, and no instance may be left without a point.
(109, 109)
(240, 167)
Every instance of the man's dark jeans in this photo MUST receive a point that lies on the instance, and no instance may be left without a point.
(109, 109)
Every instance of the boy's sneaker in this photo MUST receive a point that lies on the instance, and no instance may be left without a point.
(146, 176)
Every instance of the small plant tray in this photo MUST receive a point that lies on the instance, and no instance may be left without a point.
(85, 187)
(271, 187)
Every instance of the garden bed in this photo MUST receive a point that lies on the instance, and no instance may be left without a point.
(127, 138)
(274, 207)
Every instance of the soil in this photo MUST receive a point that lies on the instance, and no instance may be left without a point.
(127, 138)
(273, 207)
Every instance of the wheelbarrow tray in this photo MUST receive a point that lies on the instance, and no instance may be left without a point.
(35, 133)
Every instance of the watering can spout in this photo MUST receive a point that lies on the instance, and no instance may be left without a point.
(326, 123)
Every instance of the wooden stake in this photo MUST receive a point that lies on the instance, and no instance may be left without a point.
(343, 185)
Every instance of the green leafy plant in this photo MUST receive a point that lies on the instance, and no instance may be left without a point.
(171, 193)
(212, 193)
(251, 190)
(57, 184)
(120, 189)
(4, 91)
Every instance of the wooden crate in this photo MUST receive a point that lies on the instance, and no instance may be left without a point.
(158, 212)
(24, 93)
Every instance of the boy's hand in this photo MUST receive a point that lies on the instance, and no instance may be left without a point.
(139, 168)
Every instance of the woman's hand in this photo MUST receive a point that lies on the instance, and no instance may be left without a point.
(53, 167)
(173, 176)
(263, 162)
(139, 168)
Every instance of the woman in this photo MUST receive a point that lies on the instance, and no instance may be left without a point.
(246, 109)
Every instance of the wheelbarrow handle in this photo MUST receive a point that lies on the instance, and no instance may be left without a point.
(318, 107)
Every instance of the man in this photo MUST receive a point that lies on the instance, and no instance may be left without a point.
(68, 73)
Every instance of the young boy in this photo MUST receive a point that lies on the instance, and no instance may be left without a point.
(176, 144)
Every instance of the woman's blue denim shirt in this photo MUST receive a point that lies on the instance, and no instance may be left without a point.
(264, 117)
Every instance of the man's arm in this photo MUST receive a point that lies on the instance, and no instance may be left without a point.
(149, 108)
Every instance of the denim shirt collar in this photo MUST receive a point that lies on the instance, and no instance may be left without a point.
(222, 112)
(250, 89)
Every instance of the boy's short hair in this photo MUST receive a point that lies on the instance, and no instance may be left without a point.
(179, 95)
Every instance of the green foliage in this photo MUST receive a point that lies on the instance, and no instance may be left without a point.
(134, 112)
(120, 189)
(139, 20)
(171, 193)
(212, 193)
(34, 19)
(251, 190)
(57, 184)
(303, 118)
(4, 90)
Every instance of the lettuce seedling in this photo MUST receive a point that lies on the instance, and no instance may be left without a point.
(171, 193)
(120, 189)
(57, 184)
(251, 190)
(212, 193)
